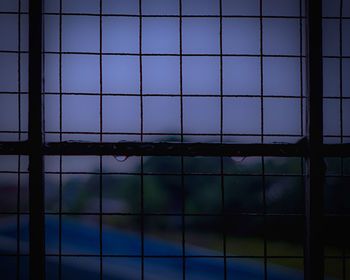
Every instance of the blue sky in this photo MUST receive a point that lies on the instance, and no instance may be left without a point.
(245, 113)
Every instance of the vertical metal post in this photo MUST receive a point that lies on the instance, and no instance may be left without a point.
(36, 185)
(314, 255)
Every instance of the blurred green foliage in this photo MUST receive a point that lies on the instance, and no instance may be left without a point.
(249, 188)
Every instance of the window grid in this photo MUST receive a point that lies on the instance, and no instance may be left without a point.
(19, 50)
(335, 86)
(336, 94)
(142, 173)
(182, 133)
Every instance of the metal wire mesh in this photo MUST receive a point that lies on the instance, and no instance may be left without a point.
(336, 94)
(14, 249)
(179, 204)
(213, 77)
(163, 94)
(14, 63)
(336, 67)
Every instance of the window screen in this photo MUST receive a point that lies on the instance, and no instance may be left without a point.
(14, 217)
(13, 70)
(177, 140)
(174, 217)
(336, 50)
(157, 71)
(187, 71)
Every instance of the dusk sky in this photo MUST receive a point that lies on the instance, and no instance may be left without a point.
(241, 75)
(142, 70)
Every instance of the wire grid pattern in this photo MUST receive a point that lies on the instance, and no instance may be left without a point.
(14, 215)
(13, 67)
(142, 173)
(13, 127)
(183, 176)
(140, 95)
(174, 105)
(337, 216)
(336, 60)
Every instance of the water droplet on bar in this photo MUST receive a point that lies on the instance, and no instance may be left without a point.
(238, 159)
(121, 158)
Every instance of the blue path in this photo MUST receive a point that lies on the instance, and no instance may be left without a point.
(81, 238)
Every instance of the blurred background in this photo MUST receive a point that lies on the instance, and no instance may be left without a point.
(251, 212)
(169, 217)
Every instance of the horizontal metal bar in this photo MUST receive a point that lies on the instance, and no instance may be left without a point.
(336, 150)
(171, 256)
(174, 54)
(173, 15)
(166, 95)
(163, 256)
(137, 214)
(14, 148)
(175, 149)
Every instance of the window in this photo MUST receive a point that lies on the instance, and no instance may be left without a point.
(178, 139)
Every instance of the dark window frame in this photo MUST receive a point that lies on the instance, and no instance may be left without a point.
(311, 148)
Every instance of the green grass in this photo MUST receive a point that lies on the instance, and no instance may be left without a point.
(242, 246)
